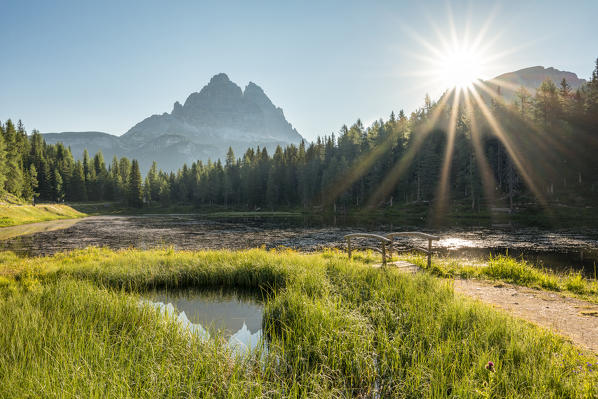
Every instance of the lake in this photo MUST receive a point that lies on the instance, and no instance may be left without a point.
(558, 249)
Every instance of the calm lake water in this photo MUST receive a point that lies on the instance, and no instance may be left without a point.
(558, 249)
(233, 316)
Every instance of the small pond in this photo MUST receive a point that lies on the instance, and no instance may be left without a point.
(232, 315)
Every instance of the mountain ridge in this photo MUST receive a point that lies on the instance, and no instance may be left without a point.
(220, 115)
(531, 78)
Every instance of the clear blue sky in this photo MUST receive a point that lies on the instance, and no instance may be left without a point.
(105, 65)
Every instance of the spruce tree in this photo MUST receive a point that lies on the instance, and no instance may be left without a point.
(30, 184)
(78, 190)
(134, 186)
(58, 186)
(2, 160)
(147, 192)
(14, 173)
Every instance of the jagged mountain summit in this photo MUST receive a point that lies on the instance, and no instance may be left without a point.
(220, 115)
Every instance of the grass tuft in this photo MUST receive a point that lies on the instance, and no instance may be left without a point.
(514, 271)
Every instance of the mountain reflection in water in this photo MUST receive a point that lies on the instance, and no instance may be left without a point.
(237, 318)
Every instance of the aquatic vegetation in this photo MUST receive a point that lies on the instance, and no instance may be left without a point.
(71, 325)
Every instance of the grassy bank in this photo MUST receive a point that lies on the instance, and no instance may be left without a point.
(12, 215)
(71, 325)
(514, 271)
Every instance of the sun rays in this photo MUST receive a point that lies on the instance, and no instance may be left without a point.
(458, 64)
(460, 68)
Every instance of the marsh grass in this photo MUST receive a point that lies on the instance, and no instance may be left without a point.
(71, 325)
(514, 271)
(12, 215)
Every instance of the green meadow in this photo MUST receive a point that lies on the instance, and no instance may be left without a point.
(12, 215)
(72, 325)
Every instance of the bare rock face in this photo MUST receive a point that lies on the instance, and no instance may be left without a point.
(220, 115)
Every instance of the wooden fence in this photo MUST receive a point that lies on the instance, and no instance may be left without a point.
(387, 243)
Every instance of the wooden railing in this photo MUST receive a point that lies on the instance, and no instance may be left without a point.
(429, 237)
(387, 243)
(383, 241)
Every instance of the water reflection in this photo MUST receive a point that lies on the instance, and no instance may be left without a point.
(233, 316)
(453, 243)
(559, 249)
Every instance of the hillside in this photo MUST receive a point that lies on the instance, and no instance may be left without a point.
(531, 78)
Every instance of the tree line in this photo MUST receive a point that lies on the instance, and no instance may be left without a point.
(32, 170)
(468, 148)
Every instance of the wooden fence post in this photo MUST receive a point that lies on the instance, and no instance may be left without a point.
(349, 246)
(429, 253)
(383, 253)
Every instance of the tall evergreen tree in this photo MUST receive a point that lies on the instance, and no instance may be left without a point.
(134, 186)
(3, 165)
(14, 172)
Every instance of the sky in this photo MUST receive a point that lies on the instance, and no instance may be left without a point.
(106, 65)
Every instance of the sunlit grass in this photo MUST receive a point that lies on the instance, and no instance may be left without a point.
(71, 325)
(511, 270)
(11, 215)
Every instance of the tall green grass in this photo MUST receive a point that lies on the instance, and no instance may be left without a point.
(71, 326)
(515, 271)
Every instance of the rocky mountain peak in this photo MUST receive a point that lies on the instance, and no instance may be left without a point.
(177, 110)
(219, 78)
(256, 94)
(220, 115)
(218, 93)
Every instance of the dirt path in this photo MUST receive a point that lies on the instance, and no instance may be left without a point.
(570, 317)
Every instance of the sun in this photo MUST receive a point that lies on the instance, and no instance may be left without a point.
(460, 68)
(455, 55)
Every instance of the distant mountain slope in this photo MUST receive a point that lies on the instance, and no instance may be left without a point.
(211, 120)
(109, 144)
(531, 78)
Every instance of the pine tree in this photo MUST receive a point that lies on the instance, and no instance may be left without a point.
(147, 192)
(101, 175)
(2, 160)
(30, 184)
(58, 186)
(591, 106)
(154, 182)
(547, 103)
(86, 165)
(78, 189)
(565, 96)
(134, 186)
(14, 173)
(523, 101)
